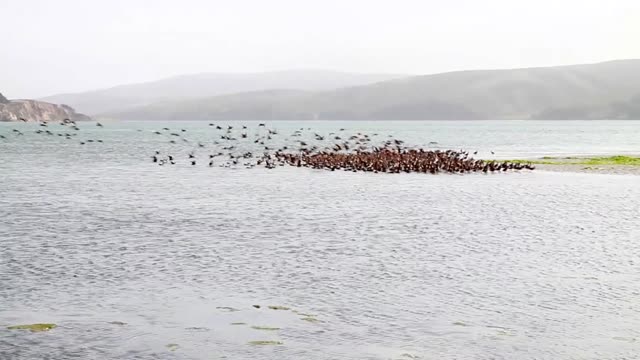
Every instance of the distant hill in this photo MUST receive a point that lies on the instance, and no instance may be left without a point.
(608, 90)
(32, 110)
(620, 110)
(188, 87)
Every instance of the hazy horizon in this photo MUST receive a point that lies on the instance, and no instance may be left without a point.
(71, 45)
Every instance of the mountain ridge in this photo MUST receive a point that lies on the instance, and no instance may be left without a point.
(590, 91)
(202, 85)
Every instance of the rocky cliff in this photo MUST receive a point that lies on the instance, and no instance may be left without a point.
(32, 110)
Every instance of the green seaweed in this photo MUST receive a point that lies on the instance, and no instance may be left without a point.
(265, 342)
(620, 160)
(33, 327)
(172, 347)
(614, 160)
(117, 323)
(238, 323)
(265, 328)
(278, 307)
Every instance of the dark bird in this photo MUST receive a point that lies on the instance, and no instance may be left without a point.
(98, 124)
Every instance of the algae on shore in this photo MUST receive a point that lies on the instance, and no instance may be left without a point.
(614, 160)
(606, 160)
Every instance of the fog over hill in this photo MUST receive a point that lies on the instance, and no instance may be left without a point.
(187, 87)
(608, 90)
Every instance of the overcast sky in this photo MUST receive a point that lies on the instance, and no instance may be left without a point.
(75, 45)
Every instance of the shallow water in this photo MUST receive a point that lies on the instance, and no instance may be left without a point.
(512, 266)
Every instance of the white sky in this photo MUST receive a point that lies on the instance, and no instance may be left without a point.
(51, 46)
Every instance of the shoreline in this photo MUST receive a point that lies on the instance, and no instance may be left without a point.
(612, 165)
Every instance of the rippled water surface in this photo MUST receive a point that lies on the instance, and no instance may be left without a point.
(134, 260)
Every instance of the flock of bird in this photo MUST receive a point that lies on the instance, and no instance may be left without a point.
(233, 146)
(70, 132)
(240, 146)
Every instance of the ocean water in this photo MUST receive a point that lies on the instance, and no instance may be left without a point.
(137, 261)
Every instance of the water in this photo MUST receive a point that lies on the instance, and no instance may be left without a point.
(513, 266)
